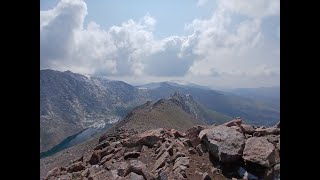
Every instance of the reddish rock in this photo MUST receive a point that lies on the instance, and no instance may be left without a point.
(160, 162)
(101, 175)
(258, 150)
(201, 149)
(106, 151)
(148, 138)
(192, 135)
(137, 167)
(178, 154)
(205, 176)
(66, 177)
(134, 176)
(94, 169)
(78, 166)
(95, 158)
(184, 161)
(192, 150)
(85, 173)
(177, 133)
(268, 131)
(234, 122)
(102, 145)
(246, 128)
(131, 155)
(105, 159)
(53, 172)
(120, 167)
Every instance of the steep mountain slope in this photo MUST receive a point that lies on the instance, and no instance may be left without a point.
(179, 111)
(71, 102)
(227, 104)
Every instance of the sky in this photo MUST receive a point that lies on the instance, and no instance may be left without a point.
(217, 43)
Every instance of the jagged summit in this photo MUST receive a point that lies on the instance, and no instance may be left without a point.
(178, 111)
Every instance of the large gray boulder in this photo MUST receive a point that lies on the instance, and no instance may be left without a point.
(224, 142)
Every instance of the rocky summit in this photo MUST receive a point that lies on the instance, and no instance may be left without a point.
(233, 150)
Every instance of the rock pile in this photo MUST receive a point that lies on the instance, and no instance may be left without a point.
(233, 150)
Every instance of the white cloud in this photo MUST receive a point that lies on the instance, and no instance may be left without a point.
(253, 9)
(212, 50)
(201, 2)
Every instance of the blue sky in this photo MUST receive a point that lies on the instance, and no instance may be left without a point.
(221, 43)
(171, 15)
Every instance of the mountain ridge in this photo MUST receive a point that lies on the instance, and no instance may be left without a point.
(71, 102)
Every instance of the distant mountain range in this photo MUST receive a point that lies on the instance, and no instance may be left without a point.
(71, 102)
(268, 95)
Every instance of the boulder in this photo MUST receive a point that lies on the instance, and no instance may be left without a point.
(102, 145)
(134, 176)
(258, 150)
(186, 142)
(224, 142)
(94, 169)
(200, 149)
(95, 158)
(85, 173)
(268, 131)
(120, 167)
(78, 166)
(101, 175)
(177, 134)
(148, 138)
(160, 162)
(53, 173)
(105, 159)
(106, 151)
(137, 167)
(178, 154)
(234, 122)
(192, 135)
(192, 150)
(184, 161)
(66, 177)
(205, 176)
(246, 128)
(133, 154)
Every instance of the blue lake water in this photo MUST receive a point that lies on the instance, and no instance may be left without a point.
(73, 140)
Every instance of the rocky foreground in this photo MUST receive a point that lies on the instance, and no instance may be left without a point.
(230, 151)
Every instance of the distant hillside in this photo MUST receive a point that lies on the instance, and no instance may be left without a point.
(178, 111)
(71, 102)
(225, 103)
(268, 95)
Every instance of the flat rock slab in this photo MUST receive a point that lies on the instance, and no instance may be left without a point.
(259, 150)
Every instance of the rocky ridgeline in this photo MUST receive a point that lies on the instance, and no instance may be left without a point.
(230, 151)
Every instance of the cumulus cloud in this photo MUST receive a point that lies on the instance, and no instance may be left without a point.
(201, 2)
(253, 9)
(212, 50)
